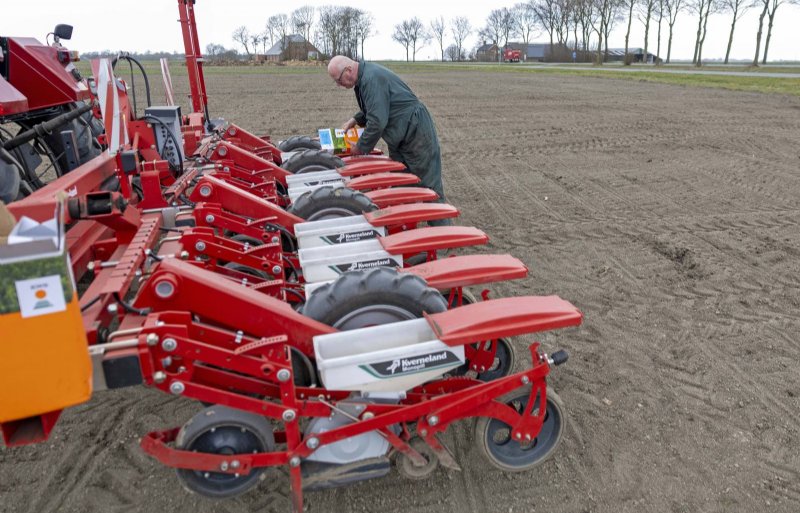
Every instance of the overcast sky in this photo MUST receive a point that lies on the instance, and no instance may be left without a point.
(142, 25)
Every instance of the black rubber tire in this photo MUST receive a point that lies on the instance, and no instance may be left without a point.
(299, 142)
(407, 469)
(309, 161)
(9, 182)
(373, 297)
(330, 202)
(223, 430)
(86, 129)
(493, 436)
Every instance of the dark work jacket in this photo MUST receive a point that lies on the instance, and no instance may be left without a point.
(386, 105)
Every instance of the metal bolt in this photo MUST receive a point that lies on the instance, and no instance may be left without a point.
(210, 218)
(223, 466)
(232, 131)
(164, 289)
(90, 266)
(276, 269)
(528, 437)
(284, 375)
(226, 169)
(433, 420)
(235, 464)
(525, 380)
(312, 442)
(294, 461)
(423, 432)
(169, 344)
(239, 336)
(200, 246)
(152, 339)
(177, 387)
(205, 191)
(222, 151)
(368, 415)
(289, 415)
(159, 377)
(275, 239)
(184, 255)
(112, 308)
(519, 435)
(166, 362)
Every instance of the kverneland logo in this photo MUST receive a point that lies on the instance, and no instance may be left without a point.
(343, 238)
(413, 364)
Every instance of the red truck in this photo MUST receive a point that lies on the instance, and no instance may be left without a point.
(510, 55)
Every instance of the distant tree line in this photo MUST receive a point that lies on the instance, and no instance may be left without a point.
(582, 26)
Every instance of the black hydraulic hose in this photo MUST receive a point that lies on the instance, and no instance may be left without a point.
(45, 128)
(141, 68)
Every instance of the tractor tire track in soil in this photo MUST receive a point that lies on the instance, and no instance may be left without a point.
(668, 214)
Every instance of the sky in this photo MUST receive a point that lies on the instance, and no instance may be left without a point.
(152, 25)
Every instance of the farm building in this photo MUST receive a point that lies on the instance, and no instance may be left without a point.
(487, 52)
(539, 52)
(292, 47)
(618, 54)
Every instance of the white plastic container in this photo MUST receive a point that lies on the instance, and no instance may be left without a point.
(306, 179)
(329, 262)
(331, 232)
(389, 358)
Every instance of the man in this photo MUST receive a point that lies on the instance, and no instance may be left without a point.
(389, 110)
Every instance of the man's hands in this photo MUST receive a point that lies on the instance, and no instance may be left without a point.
(350, 123)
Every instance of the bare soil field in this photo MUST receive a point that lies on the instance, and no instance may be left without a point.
(668, 215)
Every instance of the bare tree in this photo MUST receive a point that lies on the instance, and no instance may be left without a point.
(437, 31)
(461, 29)
(452, 53)
(629, 5)
(587, 14)
(525, 21)
(771, 10)
(279, 24)
(646, 8)
(401, 35)
(364, 28)
(660, 14)
(342, 30)
(255, 40)
(498, 28)
(737, 8)
(703, 8)
(302, 20)
(548, 14)
(242, 36)
(672, 8)
(417, 35)
(607, 14)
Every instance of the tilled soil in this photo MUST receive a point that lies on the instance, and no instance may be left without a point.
(668, 215)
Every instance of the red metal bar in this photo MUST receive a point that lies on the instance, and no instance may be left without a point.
(432, 238)
(466, 270)
(400, 196)
(505, 317)
(194, 58)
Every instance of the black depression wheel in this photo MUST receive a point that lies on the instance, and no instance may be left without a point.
(505, 356)
(310, 161)
(358, 299)
(223, 430)
(494, 440)
(298, 142)
(331, 202)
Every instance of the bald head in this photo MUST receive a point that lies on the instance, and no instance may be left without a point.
(343, 70)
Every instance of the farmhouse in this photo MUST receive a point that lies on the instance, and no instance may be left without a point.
(292, 47)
